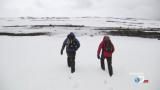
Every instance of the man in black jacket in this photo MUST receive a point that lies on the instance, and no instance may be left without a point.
(72, 45)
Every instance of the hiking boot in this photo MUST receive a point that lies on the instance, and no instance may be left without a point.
(110, 74)
(72, 70)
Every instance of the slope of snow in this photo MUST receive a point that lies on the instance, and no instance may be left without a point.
(35, 63)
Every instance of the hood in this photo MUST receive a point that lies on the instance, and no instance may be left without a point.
(106, 38)
(71, 35)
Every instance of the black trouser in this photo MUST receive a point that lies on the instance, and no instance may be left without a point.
(109, 62)
(71, 60)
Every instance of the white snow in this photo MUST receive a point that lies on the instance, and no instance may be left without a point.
(35, 63)
(87, 21)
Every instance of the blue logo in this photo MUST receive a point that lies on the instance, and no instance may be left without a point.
(136, 79)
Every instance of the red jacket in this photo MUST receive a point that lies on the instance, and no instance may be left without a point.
(105, 52)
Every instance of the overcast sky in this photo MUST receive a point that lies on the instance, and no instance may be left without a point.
(105, 8)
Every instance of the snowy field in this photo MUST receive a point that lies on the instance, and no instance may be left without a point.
(35, 63)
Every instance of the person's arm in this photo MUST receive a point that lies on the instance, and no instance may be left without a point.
(113, 48)
(63, 46)
(99, 50)
(78, 44)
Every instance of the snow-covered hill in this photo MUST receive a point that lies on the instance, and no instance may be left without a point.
(26, 23)
(87, 21)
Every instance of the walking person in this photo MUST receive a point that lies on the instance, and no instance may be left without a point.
(72, 45)
(107, 48)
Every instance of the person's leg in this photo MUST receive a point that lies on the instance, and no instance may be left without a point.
(73, 62)
(68, 59)
(73, 65)
(102, 62)
(109, 61)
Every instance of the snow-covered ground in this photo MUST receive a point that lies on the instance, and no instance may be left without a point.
(87, 21)
(35, 63)
(24, 24)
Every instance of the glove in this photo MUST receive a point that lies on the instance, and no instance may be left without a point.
(98, 56)
(61, 52)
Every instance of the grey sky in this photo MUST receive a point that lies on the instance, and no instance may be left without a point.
(105, 8)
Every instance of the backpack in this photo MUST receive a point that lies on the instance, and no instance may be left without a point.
(108, 47)
(71, 43)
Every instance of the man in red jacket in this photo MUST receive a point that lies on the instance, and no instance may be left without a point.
(107, 49)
